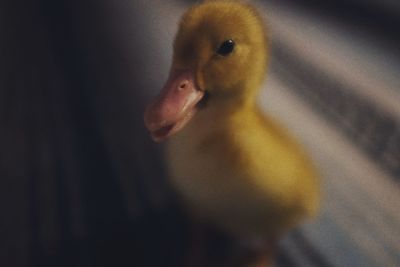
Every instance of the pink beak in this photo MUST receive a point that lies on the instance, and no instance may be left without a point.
(174, 106)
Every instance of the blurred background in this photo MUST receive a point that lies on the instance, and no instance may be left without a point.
(81, 183)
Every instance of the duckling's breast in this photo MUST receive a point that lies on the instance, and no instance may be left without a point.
(238, 175)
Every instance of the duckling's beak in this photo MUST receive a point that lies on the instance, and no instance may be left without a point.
(174, 106)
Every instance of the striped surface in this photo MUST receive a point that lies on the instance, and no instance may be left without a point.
(349, 120)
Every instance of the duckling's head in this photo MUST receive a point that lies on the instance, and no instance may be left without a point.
(220, 55)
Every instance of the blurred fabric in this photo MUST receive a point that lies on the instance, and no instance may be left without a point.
(82, 184)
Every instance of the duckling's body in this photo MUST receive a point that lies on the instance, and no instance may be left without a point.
(232, 165)
(240, 170)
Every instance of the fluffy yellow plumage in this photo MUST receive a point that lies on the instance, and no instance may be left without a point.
(242, 173)
(232, 165)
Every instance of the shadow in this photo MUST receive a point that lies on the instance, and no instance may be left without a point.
(82, 183)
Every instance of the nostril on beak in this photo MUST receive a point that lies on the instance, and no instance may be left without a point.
(183, 85)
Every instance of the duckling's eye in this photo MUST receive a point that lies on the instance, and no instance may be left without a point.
(226, 48)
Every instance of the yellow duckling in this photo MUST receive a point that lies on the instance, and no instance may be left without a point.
(232, 165)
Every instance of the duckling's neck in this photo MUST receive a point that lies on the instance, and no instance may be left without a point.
(221, 110)
(230, 103)
(218, 112)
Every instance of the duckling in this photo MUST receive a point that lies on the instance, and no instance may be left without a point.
(232, 165)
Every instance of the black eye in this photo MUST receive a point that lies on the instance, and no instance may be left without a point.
(226, 48)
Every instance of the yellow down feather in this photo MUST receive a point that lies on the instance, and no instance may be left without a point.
(232, 165)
